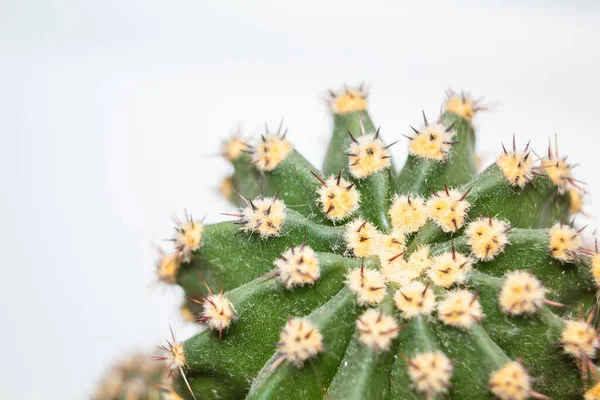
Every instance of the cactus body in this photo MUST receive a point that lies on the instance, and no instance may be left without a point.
(355, 282)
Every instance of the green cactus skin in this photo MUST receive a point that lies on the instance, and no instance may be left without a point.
(525, 206)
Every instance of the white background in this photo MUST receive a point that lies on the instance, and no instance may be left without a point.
(111, 112)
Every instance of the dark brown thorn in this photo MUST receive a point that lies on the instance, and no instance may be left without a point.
(276, 196)
(254, 208)
(350, 186)
(360, 229)
(280, 127)
(475, 297)
(194, 300)
(408, 137)
(453, 251)
(351, 154)
(414, 130)
(331, 93)
(425, 290)
(447, 191)
(504, 148)
(241, 197)
(390, 145)
(448, 129)
(424, 118)
(205, 284)
(514, 143)
(320, 180)
(248, 151)
(264, 139)
(285, 133)
(262, 192)
(303, 245)
(527, 146)
(233, 215)
(431, 190)
(577, 186)
(464, 196)
(571, 180)
(397, 255)
(453, 142)
(352, 137)
(377, 133)
(330, 209)
(172, 334)
(339, 178)
(409, 361)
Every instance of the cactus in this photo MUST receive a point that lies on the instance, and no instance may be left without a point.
(138, 377)
(355, 281)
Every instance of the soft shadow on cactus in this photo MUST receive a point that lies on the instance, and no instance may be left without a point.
(355, 281)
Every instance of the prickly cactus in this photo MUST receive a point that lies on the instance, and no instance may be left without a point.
(138, 377)
(354, 281)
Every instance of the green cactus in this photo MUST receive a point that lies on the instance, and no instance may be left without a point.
(355, 282)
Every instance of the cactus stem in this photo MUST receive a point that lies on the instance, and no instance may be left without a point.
(454, 250)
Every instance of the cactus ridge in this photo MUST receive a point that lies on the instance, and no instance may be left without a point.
(355, 281)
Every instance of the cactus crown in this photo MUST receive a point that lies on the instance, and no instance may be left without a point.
(356, 281)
